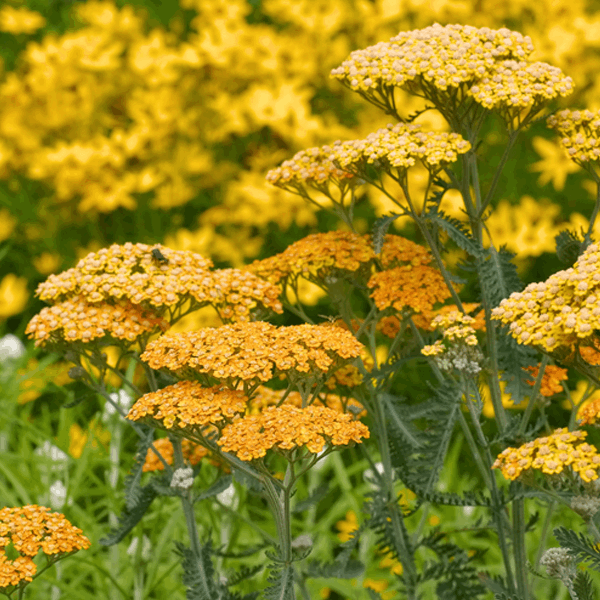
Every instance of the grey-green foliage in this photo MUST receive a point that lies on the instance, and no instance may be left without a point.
(583, 586)
(581, 547)
(138, 498)
(456, 576)
(419, 464)
(380, 229)
(568, 247)
(456, 230)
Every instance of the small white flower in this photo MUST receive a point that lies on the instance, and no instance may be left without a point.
(121, 399)
(183, 478)
(11, 347)
(58, 494)
(50, 451)
(146, 547)
(228, 497)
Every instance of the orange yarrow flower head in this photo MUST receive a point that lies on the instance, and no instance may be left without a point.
(286, 428)
(561, 313)
(77, 320)
(580, 134)
(161, 279)
(459, 349)
(589, 413)
(550, 379)
(252, 353)
(451, 64)
(319, 257)
(189, 405)
(29, 529)
(551, 455)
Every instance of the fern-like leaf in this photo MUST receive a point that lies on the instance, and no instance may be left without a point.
(457, 232)
(579, 546)
(380, 229)
(583, 586)
(198, 573)
(568, 247)
(281, 582)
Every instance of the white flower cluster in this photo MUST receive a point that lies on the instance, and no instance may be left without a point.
(183, 478)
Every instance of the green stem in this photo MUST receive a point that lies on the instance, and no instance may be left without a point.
(519, 547)
(544, 533)
(533, 397)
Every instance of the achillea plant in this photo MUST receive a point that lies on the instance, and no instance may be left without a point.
(269, 402)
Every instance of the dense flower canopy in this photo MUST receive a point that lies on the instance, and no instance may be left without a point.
(287, 428)
(438, 62)
(551, 454)
(159, 277)
(253, 352)
(562, 311)
(189, 404)
(30, 529)
(79, 320)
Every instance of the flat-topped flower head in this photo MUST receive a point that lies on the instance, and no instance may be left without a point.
(317, 257)
(286, 428)
(551, 379)
(561, 312)
(398, 250)
(29, 529)
(448, 64)
(254, 352)
(551, 455)
(77, 320)
(417, 288)
(162, 279)
(589, 413)
(399, 146)
(189, 405)
(579, 133)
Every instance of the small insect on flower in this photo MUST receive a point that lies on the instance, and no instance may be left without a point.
(159, 257)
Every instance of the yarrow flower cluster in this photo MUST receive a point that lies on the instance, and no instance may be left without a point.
(30, 529)
(253, 352)
(550, 455)
(438, 61)
(188, 404)
(580, 133)
(158, 277)
(286, 428)
(588, 414)
(316, 257)
(418, 288)
(551, 379)
(459, 350)
(563, 311)
(78, 320)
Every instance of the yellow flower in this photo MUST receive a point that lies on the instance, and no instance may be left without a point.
(7, 224)
(13, 295)
(554, 166)
(347, 526)
(20, 20)
(47, 263)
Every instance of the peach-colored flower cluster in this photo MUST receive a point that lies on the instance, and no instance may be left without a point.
(79, 320)
(253, 352)
(580, 133)
(30, 529)
(550, 455)
(453, 62)
(188, 404)
(158, 277)
(264, 397)
(316, 257)
(551, 379)
(564, 310)
(286, 428)
(397, 251)
(192, 453)
(417, 288)
(400, 146)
